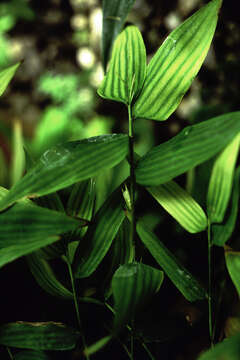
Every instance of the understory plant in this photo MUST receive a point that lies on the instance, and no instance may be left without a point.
(53, 211)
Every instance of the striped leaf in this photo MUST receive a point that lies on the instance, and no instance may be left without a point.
(100, 234)
(66, 164)
(38, 335)
(30, 355)
(220, 185)
(18, 156)
(181, 278)
(226, 350)
(178, 203)
(45, 277)
(221, 233)
(176, 63)
(192, 146)
(6, 76)
(127, 68)
(114, 15)
(233, 265)
(133, 285)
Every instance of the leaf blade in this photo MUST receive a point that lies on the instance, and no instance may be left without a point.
(6, 76)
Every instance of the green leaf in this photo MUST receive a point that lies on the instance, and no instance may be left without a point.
(114, 15)
(221, 233)
(18, 156)
(176, 63)
(66, 164)
(46, 278)
(192, 146)
(181, 278)
(228, 349)
(6, 76)
(178, 203)
(98, 345)
(232, 259)
(100, 234)
(133, 285)
(38, 335)
(30, 355)
(220, 185)
(127, 68)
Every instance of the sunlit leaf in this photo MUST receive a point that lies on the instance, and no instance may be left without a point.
(228, 349)
(182, 278)
(133, 285)
(18, 156)
(68, 163)
(6, 76)
(192, 146)
(233, 265)
(30, 355)
(45, 276)
(114, 15)
(38, 335)
(178, 203)
(100, 234)
(176, 63)
(220, 185)
(127, 68)
(221, 233)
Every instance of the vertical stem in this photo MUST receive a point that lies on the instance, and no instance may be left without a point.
(76, 304)
(210, 283)
(9, 353)
(132, 176)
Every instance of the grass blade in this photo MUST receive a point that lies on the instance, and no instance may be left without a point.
(192, 146)
(176, 63)
(178, 203)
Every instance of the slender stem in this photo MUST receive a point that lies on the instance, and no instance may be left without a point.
(210, 283)
(10, 354)
(76, 304)
(148, 351)
(132, 177)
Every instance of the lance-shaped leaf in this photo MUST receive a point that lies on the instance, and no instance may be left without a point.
(181, 278)
(66, 164)
(18, 156)
(220, 185)
(133, 285)
(30, 355)
(38, 335)
(176, 63)
(114, 15)
(226, 350)
(221, 233)
(127, 68)
(6, 76)
(98, 345)
(99, 236)
(233, 265)
(178, 203)
(45, 276)
(192, 146)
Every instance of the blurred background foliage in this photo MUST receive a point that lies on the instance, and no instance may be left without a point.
(53, 98)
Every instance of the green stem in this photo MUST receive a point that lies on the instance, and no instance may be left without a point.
(10, 354)
(210, 283)
(132, 177)
(76, 304)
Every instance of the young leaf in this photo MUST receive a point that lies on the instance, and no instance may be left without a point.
(221, 233)
(99, 236)
(133, 285)
(178, 203)
(182, 278)
(233, 265)
(38, 335)
(220, 185)
(226, 350)
(127, 68)
(192, 146)
(114, 15)
(18, 159)
(176, 63)
(68, 163)
(30, 355)
(6, 76)
(45, 277)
